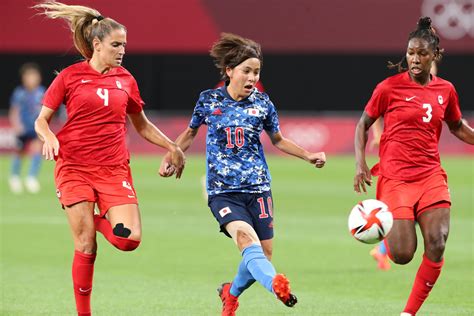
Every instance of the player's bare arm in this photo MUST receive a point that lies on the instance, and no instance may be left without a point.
(184, 141)
(50, 142)
(151, 133)
(289, 147)
(462, 130)
(363, 175)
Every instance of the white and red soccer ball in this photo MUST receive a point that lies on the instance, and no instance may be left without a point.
(370, 221)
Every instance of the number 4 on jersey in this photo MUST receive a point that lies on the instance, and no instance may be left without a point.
(104, 95)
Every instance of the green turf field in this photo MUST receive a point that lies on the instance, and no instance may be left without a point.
(183, 258)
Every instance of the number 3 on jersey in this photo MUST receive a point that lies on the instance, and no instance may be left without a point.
(239, 139)
(429, 109)
(104, 95)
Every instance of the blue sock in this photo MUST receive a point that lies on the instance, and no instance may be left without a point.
(242, 281)
(258, 265)
(35, 165)
(382, 248)
(16, 166)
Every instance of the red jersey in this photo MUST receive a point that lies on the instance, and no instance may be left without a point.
(413, 116)
(97, 106)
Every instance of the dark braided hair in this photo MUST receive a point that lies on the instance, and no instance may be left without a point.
(424, 31)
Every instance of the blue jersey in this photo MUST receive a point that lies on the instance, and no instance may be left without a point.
(28, 104)
(235, 159)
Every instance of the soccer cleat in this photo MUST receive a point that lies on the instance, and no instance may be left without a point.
(229, 302)
(383, 263)
(282, 290)
(405, 314)
(32, 184)
(15, 184)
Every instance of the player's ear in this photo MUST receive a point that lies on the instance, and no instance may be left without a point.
(96, 44)
(229, 71)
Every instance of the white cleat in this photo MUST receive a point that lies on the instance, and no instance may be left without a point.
(405, 314)
(32, 185)
(15, 184)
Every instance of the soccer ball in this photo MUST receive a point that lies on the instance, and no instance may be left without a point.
(370, 221)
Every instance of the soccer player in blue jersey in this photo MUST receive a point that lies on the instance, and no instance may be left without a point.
(25, 105)
(238, 180)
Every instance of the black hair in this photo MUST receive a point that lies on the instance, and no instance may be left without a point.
(424, 31)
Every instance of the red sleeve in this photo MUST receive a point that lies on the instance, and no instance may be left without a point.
(56, 93)
(453, 111)
(135, 102)
(378, 102)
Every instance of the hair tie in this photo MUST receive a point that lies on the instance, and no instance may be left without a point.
(99, 18)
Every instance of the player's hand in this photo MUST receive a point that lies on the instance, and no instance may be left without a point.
(317, 159)
(177, 161)
(50, 147)
(362, 177)
(166, 169)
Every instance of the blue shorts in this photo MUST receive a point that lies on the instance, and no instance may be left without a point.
(256, 209)
(23, 139)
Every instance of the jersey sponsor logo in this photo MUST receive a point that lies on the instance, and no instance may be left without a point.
(119, 85)
(440, 99)
(223, 212)
(85, 81)
(252, 112)
(127, 185)
(409, 99)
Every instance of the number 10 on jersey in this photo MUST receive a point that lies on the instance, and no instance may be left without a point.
(235, 138)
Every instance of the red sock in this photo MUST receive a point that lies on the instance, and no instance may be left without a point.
(426, 277)
(82, 273)
(103, 225)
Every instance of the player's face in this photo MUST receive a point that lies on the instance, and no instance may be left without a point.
(420, 56)
(244, 77)
(112, 48)
(31, 79)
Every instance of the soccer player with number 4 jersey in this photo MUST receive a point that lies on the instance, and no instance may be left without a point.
(411, 181)
(92, 161)
(238, 180)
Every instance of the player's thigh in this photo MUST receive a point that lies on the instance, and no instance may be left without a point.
(402, 240)
(129, 216)
(81, 222)
(242, 233)
(434, 225)
(267, 246)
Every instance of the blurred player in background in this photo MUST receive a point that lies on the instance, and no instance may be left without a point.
(25, 105)
(92, 159)
(379, 252)
(238, 180)
(411, 180)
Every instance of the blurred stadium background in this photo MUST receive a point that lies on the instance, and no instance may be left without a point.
(322, 59)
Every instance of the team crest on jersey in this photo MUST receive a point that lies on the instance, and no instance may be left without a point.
(119, 85)
(223, 212)
(440, 99)
(252, 112)
(127, 185)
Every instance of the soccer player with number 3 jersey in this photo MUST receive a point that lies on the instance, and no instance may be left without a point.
(92, 161)
(238, 180)
(411, 181)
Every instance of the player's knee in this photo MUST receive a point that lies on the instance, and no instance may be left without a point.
(85, 243)
(402, 257)
(244, 238)
(128, 240)
(435, 245)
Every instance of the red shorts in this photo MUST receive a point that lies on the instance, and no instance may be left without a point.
(105, 185)
(408, 200)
